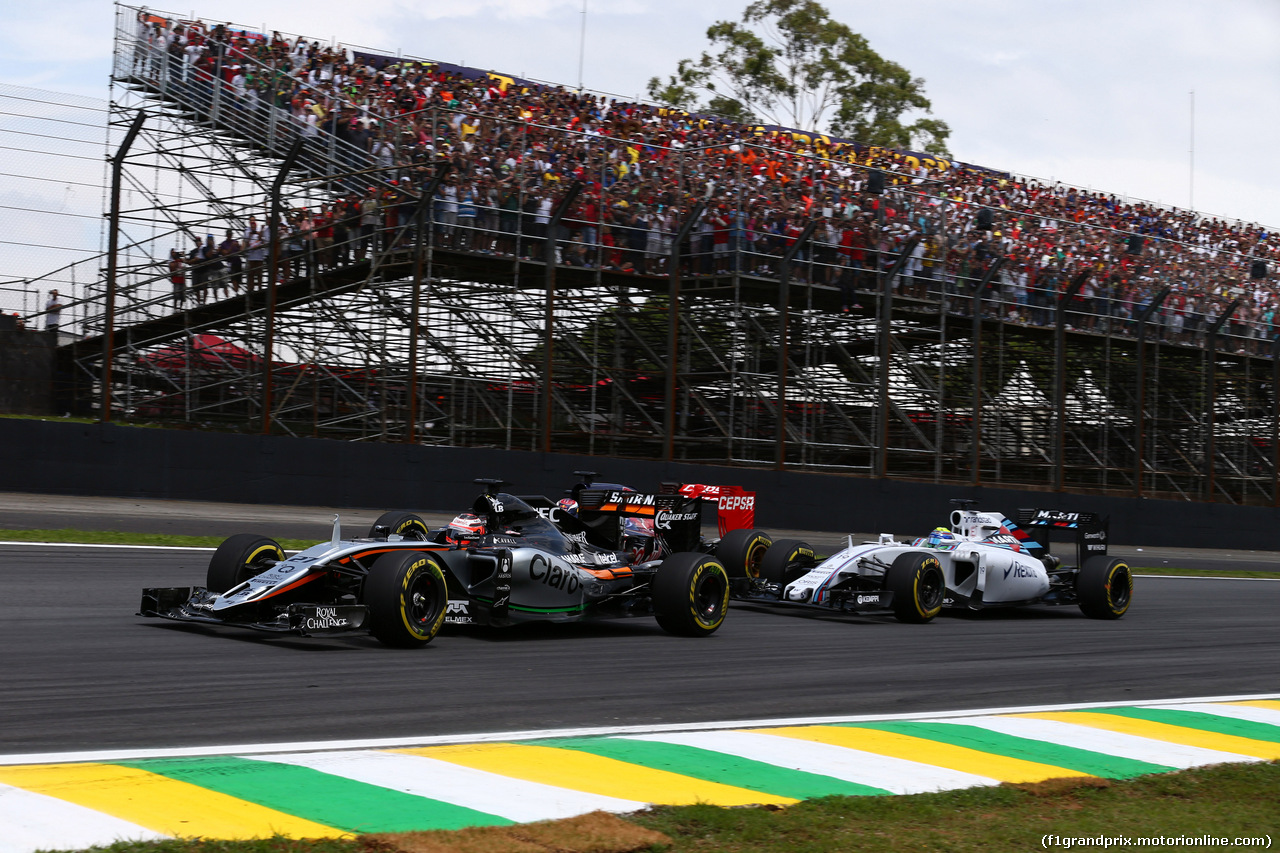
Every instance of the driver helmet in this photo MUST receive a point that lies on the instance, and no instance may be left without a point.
(940, 536)
(568, 506)
(465, 527)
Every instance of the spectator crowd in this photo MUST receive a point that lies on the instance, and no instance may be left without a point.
(513, 147)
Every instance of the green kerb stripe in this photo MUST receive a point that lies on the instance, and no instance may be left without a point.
(1200, 720)
(1011, 746)
(712, 766)
(321, 797)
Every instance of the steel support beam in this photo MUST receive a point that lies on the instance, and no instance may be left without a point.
(275, 226)
(978, 290)
(881, 468)
(423, 227)
(1060, 379)
(1140, 402)
(113, 263)
(548, 340)
(673, 330)
(1211, 397)
(784, 331)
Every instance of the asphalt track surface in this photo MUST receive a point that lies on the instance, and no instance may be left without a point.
(81, 672)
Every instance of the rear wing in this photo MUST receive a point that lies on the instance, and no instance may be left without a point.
(735, 506)
(1089, 529)
(677, 519)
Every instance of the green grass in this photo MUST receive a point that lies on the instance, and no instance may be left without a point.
(107, 537)
(1229, 800)
(1202, 573)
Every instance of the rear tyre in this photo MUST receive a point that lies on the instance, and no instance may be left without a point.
(691, 594)
(918, 586)
(406, 596)
(401, 523)
(1104, 587)
(239, 558)
(787, 560)
(742, 551)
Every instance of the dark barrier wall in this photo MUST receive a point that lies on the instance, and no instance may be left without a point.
(104, 459)
(26, 370)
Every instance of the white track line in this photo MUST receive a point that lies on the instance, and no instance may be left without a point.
(1236, 712)
(32, 821)
(514, 799)
(537, 734)
(100, 545)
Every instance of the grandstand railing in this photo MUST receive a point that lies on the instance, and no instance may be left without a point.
(607, 342)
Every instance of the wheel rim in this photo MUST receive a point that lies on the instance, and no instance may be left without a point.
(708, 597)
(421, 600)
(754, 558)
(1119, 588)
(931, 588)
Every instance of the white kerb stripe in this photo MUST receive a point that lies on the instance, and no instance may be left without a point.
(1100, 740)
(514, 799)
(30, 821)
(1236, 712)
(897, 775)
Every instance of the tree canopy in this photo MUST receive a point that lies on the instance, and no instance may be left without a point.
(789, 63)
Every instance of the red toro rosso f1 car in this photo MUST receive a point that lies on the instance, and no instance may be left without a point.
(503, 562)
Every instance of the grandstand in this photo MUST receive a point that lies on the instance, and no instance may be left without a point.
(454, 256)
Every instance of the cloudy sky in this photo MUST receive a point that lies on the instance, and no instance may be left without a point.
(1096, 93)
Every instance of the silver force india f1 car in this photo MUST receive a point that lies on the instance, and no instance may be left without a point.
(501, 563)
(982, 560)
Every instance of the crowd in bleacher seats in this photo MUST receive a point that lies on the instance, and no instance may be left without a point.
(513, 147)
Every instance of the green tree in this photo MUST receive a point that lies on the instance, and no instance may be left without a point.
(788, 63)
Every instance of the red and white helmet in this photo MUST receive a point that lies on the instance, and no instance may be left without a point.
(466, 526)
(568, 506)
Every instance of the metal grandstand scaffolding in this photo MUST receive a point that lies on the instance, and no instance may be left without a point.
(436, 330)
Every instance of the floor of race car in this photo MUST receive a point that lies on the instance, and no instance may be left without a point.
(340, 789)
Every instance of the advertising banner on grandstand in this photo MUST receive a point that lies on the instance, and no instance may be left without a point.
(380, 61)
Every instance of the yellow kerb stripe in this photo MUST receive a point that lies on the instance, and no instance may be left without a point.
(1269, 704)
(581, 771)
(160, 804)
(1164, 732)
(926, 751)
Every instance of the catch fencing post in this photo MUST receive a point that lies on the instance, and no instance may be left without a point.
(113, 264)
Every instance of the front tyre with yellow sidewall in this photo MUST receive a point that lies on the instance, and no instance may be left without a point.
(406, 595)
(401, 523)
(1104, 587)
(691, 594)
(918, 586)
(239, 558)
(742, 551)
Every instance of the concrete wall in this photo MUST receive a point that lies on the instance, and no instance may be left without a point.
(67, 458)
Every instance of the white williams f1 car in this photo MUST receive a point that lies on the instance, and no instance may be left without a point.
(982, 560)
